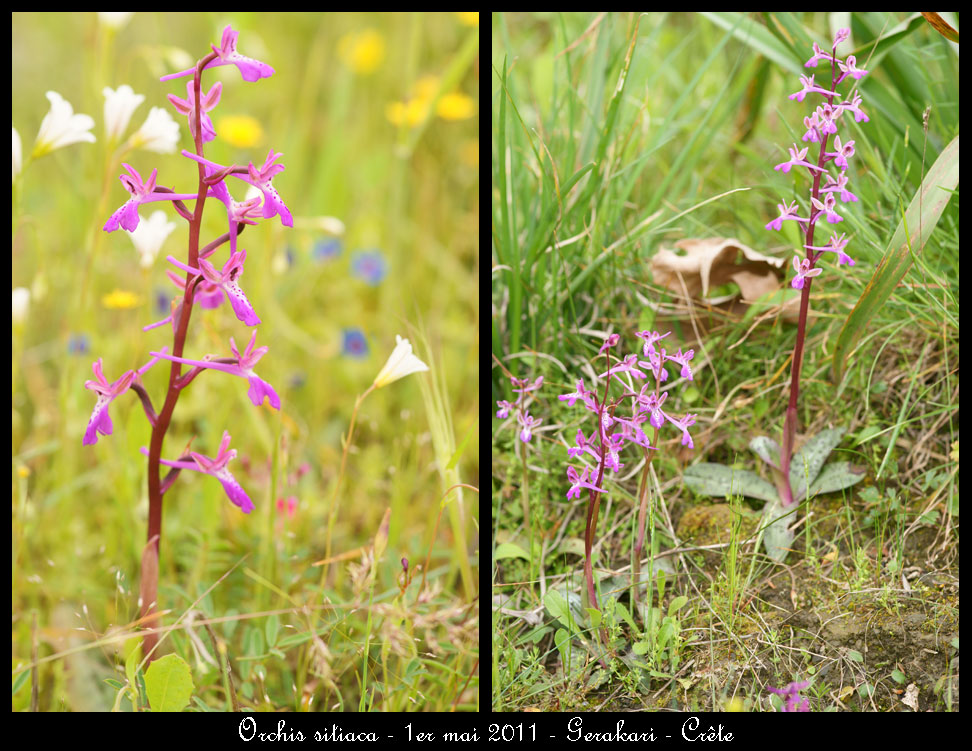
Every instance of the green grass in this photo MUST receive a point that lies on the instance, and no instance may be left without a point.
(615, 135)
(243, 602)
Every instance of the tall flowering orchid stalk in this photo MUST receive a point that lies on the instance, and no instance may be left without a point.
(213, 285)
(798, 475)
(618, 425)
(820, 125)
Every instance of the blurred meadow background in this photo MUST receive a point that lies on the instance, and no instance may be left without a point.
(620, 140)
(377, 120)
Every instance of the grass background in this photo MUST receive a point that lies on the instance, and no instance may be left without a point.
(407, 189)
(616, 134)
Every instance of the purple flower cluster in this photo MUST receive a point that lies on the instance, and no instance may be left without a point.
(205, 283)
(792, 701)
(646, 405)
(521, 387)
(820, 125)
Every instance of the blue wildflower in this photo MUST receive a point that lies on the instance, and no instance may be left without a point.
(354, 345)
(327, 249)
(369, 266)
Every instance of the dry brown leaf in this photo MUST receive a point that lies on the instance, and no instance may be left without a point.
(710, 262)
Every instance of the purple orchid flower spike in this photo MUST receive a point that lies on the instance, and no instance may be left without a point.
(216, 468)
(226, 54)
(243, 367)
(100, 420)
(142, 192)
(187, 107)
(227, 280)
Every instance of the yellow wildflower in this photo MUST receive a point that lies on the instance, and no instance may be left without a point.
(241, 131)
(362, 51)
(468, 19)
(455, 106)
(120, 300)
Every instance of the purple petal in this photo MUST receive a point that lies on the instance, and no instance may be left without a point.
(235, 492)
(100, 422)
(241, 306)
(260, 389)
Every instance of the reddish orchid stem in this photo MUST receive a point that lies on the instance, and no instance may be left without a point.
(149, 584)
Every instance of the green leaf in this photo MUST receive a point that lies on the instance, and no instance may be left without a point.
(837, 476)
(777, 535)
(748, 31)
(640, 647)
(595, 616)
(562, 640)
(557, 607)
(168, 684)
(766, 449)
(719, 480)
(510, 550)
(646, 320)
(909, 238)
(677, 604)
(853, 654)
(272, 629)
(810, 458)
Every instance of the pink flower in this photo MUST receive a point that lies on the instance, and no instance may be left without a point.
(683, 360)
(829, 205)
(579, 393)
(839, 184)
(850, 69)
(142, 192)
(650, 338)
(581, 481)
(187, 107)
(797, 157)
(818, 54)
(803, 271)
(259, 178)
(216, 468)
(787, 211)
(227, 280)
(242, 367)
(528, 423)
(226, 54)
(809, 87)
(841, 152)
(100, 420)
(836, 245)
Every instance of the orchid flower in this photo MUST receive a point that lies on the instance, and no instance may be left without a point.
(100, 420)
(243, 367)
(216, 468)
(260, 178)
(142, 192)
(226, 54)
(227, 280)
(187, 107)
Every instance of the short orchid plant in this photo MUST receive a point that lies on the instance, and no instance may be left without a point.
(797, 475)
(525, 391)
(204, 282)
(620, 421)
